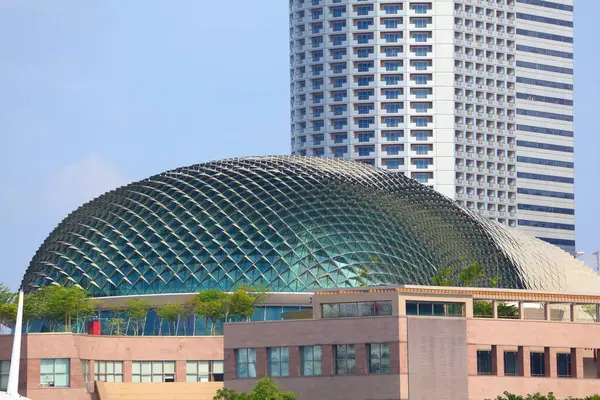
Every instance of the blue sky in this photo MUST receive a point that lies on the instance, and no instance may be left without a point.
(97, 94)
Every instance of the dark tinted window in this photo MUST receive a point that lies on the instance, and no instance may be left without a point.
(484, 362)
(537, 364)
(511, 363)
(563, 361)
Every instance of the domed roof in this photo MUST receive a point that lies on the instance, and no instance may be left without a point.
(287, 223)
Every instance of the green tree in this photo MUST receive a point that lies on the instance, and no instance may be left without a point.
(243, 300)
(265, 389)
(189, 310)
(363, 275)
(6, 295)
(65, 303)
(468, 275)
(8, 314)
(242, 303)
(444, 277)
(116, 325)
(213, 305)
(170, 313)
(590, 309)
(33, 308)
(485, 309)
(137, 310)
(8, 308)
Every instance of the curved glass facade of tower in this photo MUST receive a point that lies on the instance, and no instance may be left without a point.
(434, 90)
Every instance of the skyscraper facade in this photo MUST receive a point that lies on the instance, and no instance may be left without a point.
(471, 97)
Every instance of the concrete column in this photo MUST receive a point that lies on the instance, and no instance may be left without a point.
(399, 306)
(572, 311)
(404, 357)
(262, 364)
(524, 361)
(327, 361)
(550, 363)
(498, 360)
(180, 371)
(597, 365)
(127, 369)
(295, 361)
(228, 364)
(495, 309)
(597, 312)
(362, 359)
(577, 363)
(76, 374)
(317, 310)
(471, 359)
(547, 316)
(521, 310)
(90, 377)
(33, 370)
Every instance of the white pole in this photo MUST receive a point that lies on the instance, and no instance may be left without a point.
(13, 375)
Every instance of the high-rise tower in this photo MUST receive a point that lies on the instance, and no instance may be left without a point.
(471, 97)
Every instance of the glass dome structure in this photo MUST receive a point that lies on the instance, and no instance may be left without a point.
(287, 223)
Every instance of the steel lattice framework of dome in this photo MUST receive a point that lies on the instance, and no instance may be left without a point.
(288, 223)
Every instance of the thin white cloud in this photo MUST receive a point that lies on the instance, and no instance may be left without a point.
(75, 184)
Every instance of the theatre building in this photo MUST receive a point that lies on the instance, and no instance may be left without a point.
(418, 342)
(304, 227)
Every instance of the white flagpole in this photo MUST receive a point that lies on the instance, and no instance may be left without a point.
(13, 375)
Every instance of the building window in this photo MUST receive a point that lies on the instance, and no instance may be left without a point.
(484, 362)
(216, 371)
(204, 371)
(108, 371)
(393, 135)
(55, 372)
(245, 363)
(511, 363)
(279, 361)
(537, 364)
(563, 361)
(345, 360)
(362, 309)
(420, 8)
(434, 309)
(311, 360)
(379, 358)
(153, 371)
(4, 370)
(420, 51)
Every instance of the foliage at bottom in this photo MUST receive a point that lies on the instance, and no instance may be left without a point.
(265, 389)
(538, 396)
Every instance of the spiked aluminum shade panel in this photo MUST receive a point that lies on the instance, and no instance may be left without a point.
(287, 223)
